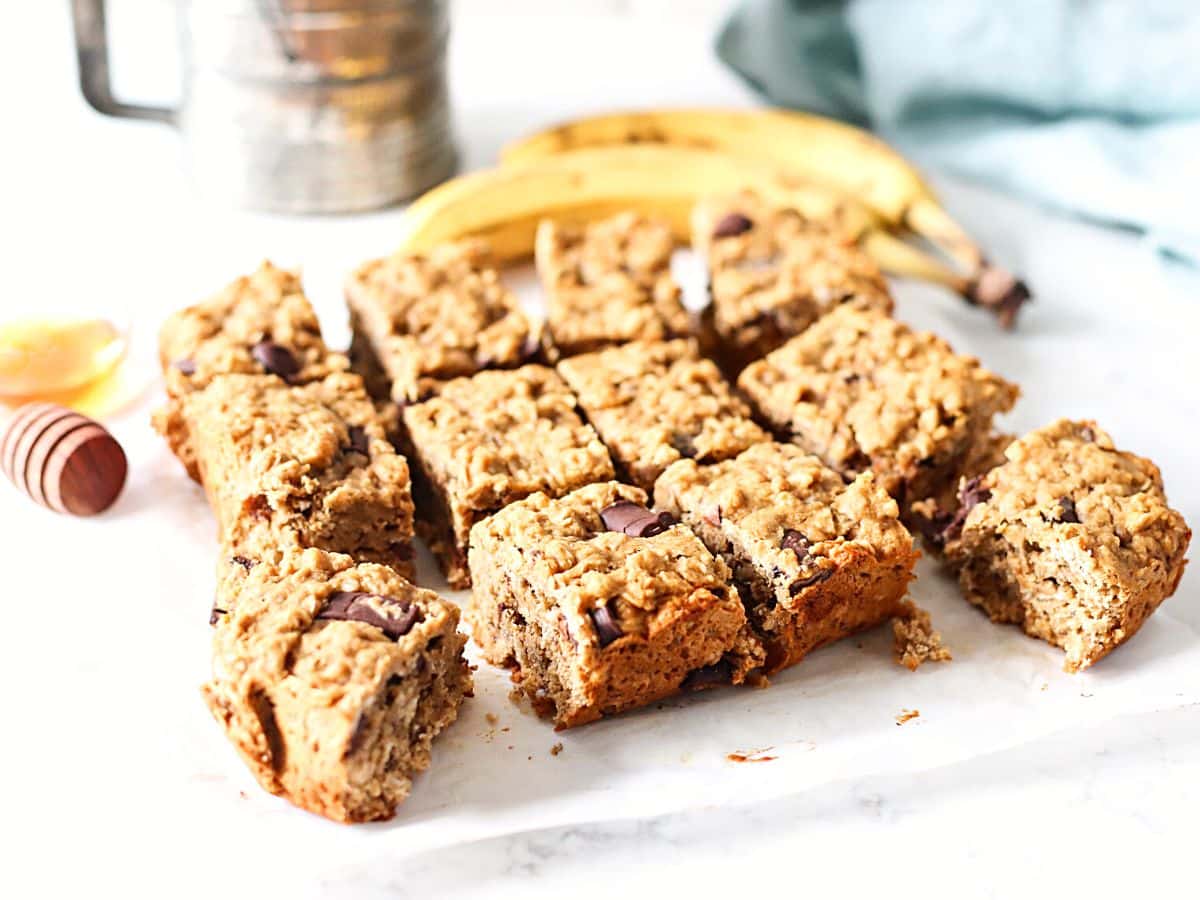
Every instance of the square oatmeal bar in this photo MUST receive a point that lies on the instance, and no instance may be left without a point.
(300, 466)
(1071, 538)
(418, 318)
(600, 604)
(773, 272)
(654, 402)
(864, 392)
(815, 559)
(332, 679)
(486, 441)
(608, 283)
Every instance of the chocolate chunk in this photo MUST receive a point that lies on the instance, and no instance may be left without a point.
(1066, 510)
(393, 617)
(357, 736)
(731, 225)
(275, 358)
(719, 673)
(796, 542)
(186, 366)
(970, 495)
(634, 519)
(809, 580)
(359, 442)
(215, 616)
(604, 619)
(246, 564)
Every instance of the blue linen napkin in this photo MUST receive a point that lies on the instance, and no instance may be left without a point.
(1088, 106)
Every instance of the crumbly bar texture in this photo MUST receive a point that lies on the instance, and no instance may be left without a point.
(914, 640)
(655, 402)
(608, 283)
(332, 680)
(420, 318)
(813, 558)
(598, 604)
(773, 272)
(486, 441)
(261, 323)
(865, 392)
(301, 466)
(1071, 539)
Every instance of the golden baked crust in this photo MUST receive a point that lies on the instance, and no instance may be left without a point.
(655, 402)
(1070, 538)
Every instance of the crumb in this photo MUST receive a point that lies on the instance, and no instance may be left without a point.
(530, 758)
(907, 715)
(515, 695)
(915, 641)
(242, 794)
(492, 718)
(1045, 685)
(750, 756)
(510, 746)
(556, 749)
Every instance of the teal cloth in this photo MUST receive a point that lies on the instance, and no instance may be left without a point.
(1088, 106)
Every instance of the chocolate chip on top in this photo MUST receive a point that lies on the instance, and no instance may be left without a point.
(393, 617)
(731, 225)
(275, 358)
(604, 620)
(796, 542)
(1067, 511)
(634, 519)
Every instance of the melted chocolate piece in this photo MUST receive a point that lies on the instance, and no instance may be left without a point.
(1067, 511)
(359, 442)
(275, 358)
(605, 621)
(796, 542)
(634, 519)
(970, 495)
(731, 225)
(393, 617)
(719, 673)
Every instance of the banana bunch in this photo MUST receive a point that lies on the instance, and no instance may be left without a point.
(661, 162)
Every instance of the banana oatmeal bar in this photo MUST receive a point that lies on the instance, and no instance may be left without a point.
(1071, 538)
(601, 605)
(332, 680)
(864, 392)
(654, 402)
(608, 283)
(486, 441)
(300, 466)
(422, 317)
(814, 559)
(772, 273)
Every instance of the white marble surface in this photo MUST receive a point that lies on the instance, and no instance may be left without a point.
(113, 781)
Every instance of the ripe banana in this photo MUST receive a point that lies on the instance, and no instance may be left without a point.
(505, 205)
(823, 150)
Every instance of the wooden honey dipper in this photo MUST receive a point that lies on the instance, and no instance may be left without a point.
(62, 460)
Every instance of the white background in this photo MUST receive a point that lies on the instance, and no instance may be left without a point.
(115, 784)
